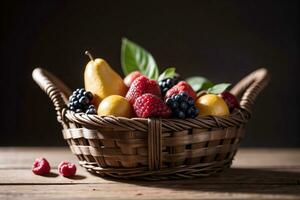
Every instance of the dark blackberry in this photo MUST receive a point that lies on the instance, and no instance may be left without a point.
(174, 104)
(80, 101)
(180, 114)
(91, 111)
(167, 84)
(182, 106)
(84, 100)
(89, 95)
(191, 101)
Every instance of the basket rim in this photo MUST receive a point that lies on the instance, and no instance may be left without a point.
(236, 118)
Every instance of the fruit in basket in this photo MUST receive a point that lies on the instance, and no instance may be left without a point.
(102, 80)
(128, 80)
(67, 169)
(80, 101)
(115, 105)
(41, 166)
(182, 106)
(149, 105)
(180, 87)
(140, 86)
(91, 110)
(230, 100)
(211, 104)
(167, 84)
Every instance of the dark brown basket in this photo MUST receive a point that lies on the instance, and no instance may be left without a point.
(153, 149)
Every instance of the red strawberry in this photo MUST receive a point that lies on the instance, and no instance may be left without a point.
(180, 87)
(140, 86)
(128, 80)
(230, 100)
(149, 105)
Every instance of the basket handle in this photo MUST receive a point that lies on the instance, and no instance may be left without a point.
(54, 88)
(251, 85)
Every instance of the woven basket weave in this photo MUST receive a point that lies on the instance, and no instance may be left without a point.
(153, 149)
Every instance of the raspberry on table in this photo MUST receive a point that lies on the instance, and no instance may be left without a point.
(167, 84)
(140, 86)
(149, 105)
(80, 101)
(41, 166)
(182, 106)
(180, 87)
(67, 169)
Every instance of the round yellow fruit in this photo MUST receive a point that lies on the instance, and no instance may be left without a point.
(211, 104)
(115, 105)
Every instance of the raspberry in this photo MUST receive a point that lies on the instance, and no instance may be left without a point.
(41, 166)
(128, 80)
(67, 169)
(140, 86)
(180, 87)
(149, 105)
(230, 100)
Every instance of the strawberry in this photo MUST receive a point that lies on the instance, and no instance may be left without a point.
(181, 87)
(128, 80)
(140, 86)
(149, 105)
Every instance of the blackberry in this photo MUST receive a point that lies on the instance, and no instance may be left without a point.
(167, 84)
(80, 101)
(182, 106)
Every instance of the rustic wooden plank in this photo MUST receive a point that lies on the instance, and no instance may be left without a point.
(230, 176)
(256, 174)
(25, 176)
(158, 191)
(22, 157)
(261, 157)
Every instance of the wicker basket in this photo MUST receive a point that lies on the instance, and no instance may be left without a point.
(153, 149)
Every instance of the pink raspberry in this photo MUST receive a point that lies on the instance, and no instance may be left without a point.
(41, 166)
(149, 105)
(67, 169)
(140, 86)
(181, 87)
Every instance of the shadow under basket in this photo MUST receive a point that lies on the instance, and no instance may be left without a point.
(153, 149)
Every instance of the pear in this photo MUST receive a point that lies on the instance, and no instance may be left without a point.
(102, 80)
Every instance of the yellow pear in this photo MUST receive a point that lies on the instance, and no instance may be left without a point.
(102, 80)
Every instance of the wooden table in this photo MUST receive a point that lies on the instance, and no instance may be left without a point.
(255, 174)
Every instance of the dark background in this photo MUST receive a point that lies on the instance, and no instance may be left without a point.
(222, 40)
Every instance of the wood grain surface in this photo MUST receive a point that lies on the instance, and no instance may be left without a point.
(255, 174)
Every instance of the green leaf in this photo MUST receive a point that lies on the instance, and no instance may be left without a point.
(199, 83)
(219, 88)
(168, 73)
(134, 57)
